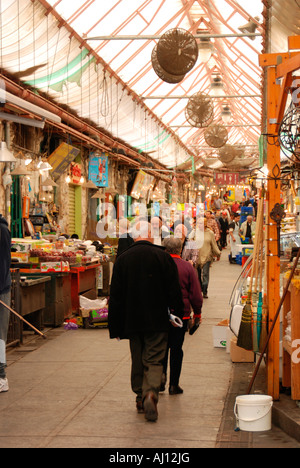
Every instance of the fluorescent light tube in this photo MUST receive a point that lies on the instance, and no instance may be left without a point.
(8, 97)
(22, 120)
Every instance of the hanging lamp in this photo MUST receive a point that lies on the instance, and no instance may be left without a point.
(217, 87)
(250, 27)
(226, 114)
(44, 166)
(205, 47)
(90, 185)
(49, 183)
(6, 156)
(99, 195)
(20, 170)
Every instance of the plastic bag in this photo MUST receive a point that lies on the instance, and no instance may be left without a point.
(92, 304)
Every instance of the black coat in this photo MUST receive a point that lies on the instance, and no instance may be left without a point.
(224, 224)
(5, 256)
(145, 284)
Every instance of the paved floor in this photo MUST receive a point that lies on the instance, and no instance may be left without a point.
(73, 390)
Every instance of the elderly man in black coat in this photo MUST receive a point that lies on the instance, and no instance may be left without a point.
(145, 288)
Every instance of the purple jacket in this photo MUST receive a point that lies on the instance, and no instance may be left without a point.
(190, 287)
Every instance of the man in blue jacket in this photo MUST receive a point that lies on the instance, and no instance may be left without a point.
(5, 297)
(145, 286)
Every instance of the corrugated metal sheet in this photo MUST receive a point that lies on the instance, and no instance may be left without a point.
(284, 22)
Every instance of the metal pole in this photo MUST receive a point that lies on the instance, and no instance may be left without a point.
(152, 38)
(208, 148)
(212, 97)
(226, 126)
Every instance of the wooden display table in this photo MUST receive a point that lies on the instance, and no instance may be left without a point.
(83, 281)
(291, 349)
(58, 296)
(33, 300)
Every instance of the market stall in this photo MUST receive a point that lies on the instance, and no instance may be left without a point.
(33, 299)
(72, 268)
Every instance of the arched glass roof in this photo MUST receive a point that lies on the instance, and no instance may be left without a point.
(72, 51)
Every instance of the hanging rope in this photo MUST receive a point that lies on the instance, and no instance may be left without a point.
(104, 109)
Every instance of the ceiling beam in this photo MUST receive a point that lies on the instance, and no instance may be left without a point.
(157, 37)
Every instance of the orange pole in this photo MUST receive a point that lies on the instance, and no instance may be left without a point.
(273, 267)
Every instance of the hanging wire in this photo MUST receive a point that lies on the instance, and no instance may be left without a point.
(68, 63)
(104, 109)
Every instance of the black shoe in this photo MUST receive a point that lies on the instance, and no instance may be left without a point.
(163, 383)
(140, 407)
(150, 407)
(205, 296)
(175, 390)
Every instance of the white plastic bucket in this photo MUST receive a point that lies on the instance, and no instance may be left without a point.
(254, 413)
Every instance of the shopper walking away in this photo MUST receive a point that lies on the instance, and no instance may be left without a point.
(234, 237)
(208, 251)
(5, 297)
(192, 298)
(125, 239)
(224, 229)
(145, 287)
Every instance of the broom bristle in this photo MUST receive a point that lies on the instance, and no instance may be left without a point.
(245, 338)
(264, 328)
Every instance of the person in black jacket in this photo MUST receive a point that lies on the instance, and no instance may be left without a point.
(145, 287)
(224, 229)
(5, 297)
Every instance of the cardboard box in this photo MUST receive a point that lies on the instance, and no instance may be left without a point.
(238, 354)
(220, 336)
(22, 257)
(55, 267)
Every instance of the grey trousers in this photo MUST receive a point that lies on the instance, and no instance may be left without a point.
(4, 323)
(147, 355)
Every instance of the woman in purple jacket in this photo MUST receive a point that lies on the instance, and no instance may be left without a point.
(193, 299)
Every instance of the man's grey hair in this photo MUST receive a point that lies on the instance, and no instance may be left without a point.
(173, 245)
(141, 230)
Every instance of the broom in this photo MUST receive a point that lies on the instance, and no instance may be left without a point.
(257, 275)
(245, 337)
(260, 298)
(265, 308)
(255, 305)
(23, 320)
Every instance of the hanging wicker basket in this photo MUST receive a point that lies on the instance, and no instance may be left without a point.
(200, 110)
(161, 73)
(177, 51)
(216, 136)
(227, 154)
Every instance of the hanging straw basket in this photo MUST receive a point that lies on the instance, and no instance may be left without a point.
(161, 73)
(227, 154)
(200, 110)
(177, 51)
(216, 136)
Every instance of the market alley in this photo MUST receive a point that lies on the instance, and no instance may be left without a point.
(74, 389)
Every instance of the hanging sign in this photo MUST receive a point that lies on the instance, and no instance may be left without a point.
(142, 185)
(76, 173)
(98, 169)
(61, 159)
(227, 178)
